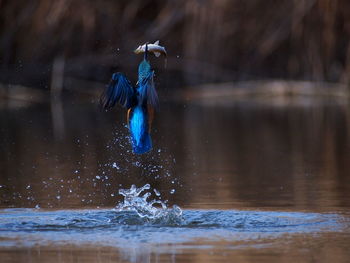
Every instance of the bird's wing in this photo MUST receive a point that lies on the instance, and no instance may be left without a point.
(119, 90)
(148, 91)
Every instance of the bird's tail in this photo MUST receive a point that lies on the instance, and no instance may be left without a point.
(138, 126)
(145, 145)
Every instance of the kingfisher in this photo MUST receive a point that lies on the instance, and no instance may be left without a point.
(140, 101)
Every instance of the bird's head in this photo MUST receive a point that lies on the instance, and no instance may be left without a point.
(144, 69)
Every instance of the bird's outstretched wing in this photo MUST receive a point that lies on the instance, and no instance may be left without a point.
(148, 91)
(119, 90)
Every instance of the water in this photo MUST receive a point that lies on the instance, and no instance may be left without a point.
(29, 227)
(137, 223)
(146, 209)
(256, 181)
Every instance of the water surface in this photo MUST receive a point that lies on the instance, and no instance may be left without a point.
(255, 181)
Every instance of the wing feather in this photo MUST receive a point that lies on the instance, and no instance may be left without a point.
(119, 90)
(148, 91)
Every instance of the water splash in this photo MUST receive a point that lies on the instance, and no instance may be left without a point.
(153, 211)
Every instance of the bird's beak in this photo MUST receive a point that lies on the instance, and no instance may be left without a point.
(146, 52)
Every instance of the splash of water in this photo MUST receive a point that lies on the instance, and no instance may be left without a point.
(153, 211)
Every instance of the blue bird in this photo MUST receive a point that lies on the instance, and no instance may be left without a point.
(141, 101)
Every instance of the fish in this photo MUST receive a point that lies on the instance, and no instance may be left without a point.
(155, 48)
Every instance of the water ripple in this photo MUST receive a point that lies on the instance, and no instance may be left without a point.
(113, 227)
(138, 219)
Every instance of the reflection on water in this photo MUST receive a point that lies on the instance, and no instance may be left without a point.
(256, 156)
(246, 155)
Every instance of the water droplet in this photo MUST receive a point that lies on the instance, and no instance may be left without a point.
(37, 206)
(114, 165)
(136, 199)
(137, 163)
(156, 192)
(28, 186)
(172, 191)
(98, 177)
(76, 171)
(58, 197)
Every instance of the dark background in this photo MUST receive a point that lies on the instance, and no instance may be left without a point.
(207, 41)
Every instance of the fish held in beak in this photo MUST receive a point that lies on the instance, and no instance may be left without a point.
(154, 48)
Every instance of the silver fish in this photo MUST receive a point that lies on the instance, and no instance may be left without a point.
(154, 48)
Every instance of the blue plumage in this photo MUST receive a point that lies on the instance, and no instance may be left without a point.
(141, 101)
(139, 130)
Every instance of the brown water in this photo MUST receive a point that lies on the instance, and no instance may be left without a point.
(253, 162)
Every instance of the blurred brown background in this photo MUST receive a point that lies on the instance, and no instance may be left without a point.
(254, 114)
(74, 45)
(207, 41)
